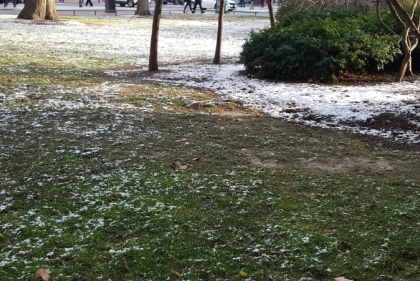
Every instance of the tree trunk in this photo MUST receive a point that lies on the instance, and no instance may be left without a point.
(153, 57)
(218, 52)
(39, 10)
(405, 66)
(405, 16)
(271, 13)
(405, 69)
(143, 8)
(405, 20)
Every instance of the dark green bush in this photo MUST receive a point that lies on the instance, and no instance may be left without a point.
(318, 48)
(285, 18)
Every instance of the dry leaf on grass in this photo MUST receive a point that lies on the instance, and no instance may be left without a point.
(43, 273)
(126, 265)
(178, 166)
(389, 168)
(176, 273)
(342, 279)
(327, 231)
(345, 245)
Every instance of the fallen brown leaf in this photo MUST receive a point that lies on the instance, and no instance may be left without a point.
(43, 273)
(126, 265)
(178, 166)
(327, 231)
(389, 168)
(345, 245)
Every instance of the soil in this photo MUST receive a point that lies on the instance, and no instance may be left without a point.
(385, 121)
(373, 79)
(394, 122)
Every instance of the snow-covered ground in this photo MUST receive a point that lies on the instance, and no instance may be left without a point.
(192, 38)
(333, 107)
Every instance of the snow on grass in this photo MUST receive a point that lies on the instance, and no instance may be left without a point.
(329, 106)
(125, 41)
(74, 207)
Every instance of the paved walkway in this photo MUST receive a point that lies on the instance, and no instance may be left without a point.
(71, 8)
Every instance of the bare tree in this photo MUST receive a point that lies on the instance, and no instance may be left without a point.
(406, 22)
(218, 52)
(39, 10)
(153, 57)
(143, 8)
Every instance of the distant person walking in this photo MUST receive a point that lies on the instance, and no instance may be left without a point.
(252, 5)
(89, 2)
(80, 3)
(188, 3)
(198, 2)
(263, 2)
(6, 3)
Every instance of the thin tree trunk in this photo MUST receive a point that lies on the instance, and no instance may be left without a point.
(39, 10)
(405, 44)
(143, 8)
(271, 13)
(405, 16)
(153, 57)
(381, 24)
(218, 52)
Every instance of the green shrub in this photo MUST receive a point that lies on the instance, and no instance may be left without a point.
(297, 7)
(318, 48)
(285, 17)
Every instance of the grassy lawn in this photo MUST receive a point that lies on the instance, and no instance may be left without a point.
(88, 192)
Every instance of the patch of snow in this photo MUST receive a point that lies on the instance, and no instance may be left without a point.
(126, 41)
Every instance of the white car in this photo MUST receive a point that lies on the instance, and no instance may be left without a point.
(230, 6)
(129, 3)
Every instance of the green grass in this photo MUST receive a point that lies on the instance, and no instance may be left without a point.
(89, 193)
(96, 204)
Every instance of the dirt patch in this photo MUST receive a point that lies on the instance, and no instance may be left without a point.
(372, 79)
(391, 121)
(331, 164)
(346, 164)
(231, 108)
(258, 162)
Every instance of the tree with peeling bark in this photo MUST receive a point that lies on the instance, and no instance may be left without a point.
(143, 8)
(39, 10)
(410, 28)
(153, 57)
(271, 13)
(218, 52)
